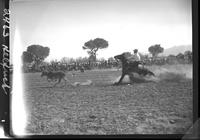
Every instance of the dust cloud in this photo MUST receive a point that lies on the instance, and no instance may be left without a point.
(174, 73)
(170, 73)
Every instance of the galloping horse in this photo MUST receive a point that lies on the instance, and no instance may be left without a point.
(129, 67)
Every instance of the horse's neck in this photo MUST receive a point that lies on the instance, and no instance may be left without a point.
(124, 63)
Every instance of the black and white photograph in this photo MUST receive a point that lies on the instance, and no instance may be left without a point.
(101, 67)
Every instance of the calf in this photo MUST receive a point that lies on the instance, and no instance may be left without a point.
(57, 75)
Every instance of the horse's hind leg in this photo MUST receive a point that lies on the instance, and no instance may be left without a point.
(131, 76)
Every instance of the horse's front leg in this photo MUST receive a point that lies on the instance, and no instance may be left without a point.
(120, 80)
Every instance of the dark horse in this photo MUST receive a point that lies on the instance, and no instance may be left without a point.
(128, 68)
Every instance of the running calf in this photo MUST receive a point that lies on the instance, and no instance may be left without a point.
(56, 75)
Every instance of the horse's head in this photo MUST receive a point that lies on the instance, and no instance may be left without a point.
(122, 56)
(119, 57)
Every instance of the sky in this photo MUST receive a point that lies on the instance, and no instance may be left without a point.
(65, 25)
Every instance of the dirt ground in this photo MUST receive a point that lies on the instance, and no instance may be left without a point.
(161, 106)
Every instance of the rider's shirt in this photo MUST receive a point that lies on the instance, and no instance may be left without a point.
(134, 57)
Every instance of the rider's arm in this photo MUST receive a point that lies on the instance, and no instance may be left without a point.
(139, 58)
(131, 57)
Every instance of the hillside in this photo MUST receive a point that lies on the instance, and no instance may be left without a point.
(176, 50)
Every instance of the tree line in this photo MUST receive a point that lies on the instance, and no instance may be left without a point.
(36, 54)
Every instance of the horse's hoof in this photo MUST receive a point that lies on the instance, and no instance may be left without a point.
(115, 84)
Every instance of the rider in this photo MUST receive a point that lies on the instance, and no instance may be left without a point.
(135, 57)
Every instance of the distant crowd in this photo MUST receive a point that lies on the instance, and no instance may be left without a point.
(75, 66)
(103, 64)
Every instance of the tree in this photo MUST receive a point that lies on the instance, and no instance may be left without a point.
(155, 50)
(92, 58)
(188, 53)
(93, 46)
(188, 56)
(111, 59)
(27, 57)
(81, 59)
(36, 54)
(39, 52)
(180, 56)
(67, 60)
(143, 56)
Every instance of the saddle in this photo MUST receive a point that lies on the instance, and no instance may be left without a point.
(133, 63)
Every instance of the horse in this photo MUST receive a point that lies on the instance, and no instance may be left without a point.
(129, 67)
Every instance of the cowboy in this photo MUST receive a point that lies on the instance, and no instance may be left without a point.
(135, 56)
